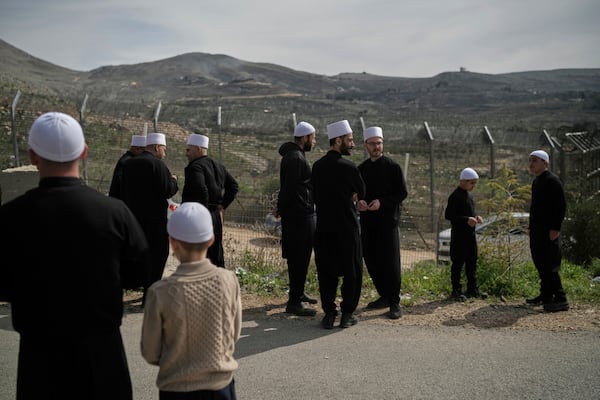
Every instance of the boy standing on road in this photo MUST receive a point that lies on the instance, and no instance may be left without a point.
(193, 318)
(463, 243)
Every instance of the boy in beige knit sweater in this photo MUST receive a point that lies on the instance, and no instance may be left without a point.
(193, 318)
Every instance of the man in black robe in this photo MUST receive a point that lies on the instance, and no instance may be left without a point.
(296, 208)
(147, 184)
(337, 186)
(379, 220)
(546, 214)
(76, 250)
(209, 183)
(138, 144)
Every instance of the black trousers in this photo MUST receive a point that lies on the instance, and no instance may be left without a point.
(339, 254)
(227, 393)
(547, 257)
(381, 251)
(297, 237)
(215, 252)
(463, 251)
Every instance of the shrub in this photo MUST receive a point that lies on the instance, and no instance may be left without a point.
(580, 237)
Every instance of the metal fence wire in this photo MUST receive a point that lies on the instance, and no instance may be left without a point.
(431, 157)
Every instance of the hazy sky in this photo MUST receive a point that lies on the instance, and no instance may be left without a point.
(399, 38)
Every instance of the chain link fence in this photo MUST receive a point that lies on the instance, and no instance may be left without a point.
(431, 156)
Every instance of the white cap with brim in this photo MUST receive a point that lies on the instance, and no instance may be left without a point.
(303, 129)
(138, 141)
(156, 138)
(541, 154)
(468, 174)
(373, 131)
(56, 137)
(196, 139)
(338, 129)
(191, 222)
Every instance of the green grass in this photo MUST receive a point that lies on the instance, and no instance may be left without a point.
(427, 281)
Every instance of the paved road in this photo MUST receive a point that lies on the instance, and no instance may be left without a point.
(289, 358)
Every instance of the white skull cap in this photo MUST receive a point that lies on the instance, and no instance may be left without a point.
(468, 174)
(338, 129)
(191, 222)
(56, 137)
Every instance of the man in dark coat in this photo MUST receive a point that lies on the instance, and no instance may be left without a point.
(209, 183)
(546, 214)
(138, 144)
(379, 220)
(296, 208)
(460, 211)
(147, 184)
(337, 186)
(76, 251)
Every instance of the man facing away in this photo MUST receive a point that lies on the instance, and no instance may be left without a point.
(337, 185)
(296, 208)
(546, 214)
(193, 318)
(138, 144)
(379, 220)
(460, 211)
(71, 241)
(209, 183)
(147, 184)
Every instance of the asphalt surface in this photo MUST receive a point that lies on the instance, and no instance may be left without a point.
(290, 358)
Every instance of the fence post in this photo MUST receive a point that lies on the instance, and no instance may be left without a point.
(219, 133)
(362, 124)
(82, 123)
(13, 127)
(431, 176)
(156, 113)
(492, 143)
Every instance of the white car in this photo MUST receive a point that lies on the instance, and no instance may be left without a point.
(517, 229)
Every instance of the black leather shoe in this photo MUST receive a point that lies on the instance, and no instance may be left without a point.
(537, 300)
(300, 310)
(457, 296)
(556, 305)
(395, 311)
(477, 294)
(328, 320)
(377, 304)
(307, 299)
(348, 320)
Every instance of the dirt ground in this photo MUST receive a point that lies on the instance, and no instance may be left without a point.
(475, 314)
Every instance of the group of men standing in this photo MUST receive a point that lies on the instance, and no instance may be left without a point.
(357, 215)
(143, 181)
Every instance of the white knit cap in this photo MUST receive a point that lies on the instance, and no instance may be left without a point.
(468, 174)
(303, 129)
(191, 222)
(56, 137)
(541, 154)
(138, 141)
(156, 138)
(338, 129)
(373, 131)
(196, 139)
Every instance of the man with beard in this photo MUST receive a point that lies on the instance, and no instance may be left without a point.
(147, 184)
(379, 219)
(296, 208)
(209, 183)
(337, 185)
